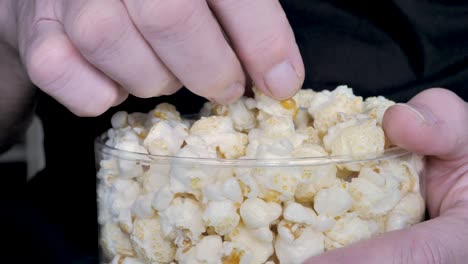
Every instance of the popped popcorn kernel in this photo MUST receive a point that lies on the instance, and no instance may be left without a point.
(166, 111)
(296, 244)
(149, 242)
(257, 213)
(222, 216)
(260, 250)
(326, 106)
(333, 201)
(114, 242)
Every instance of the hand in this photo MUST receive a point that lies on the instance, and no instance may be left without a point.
(89, 55)
(433, 123)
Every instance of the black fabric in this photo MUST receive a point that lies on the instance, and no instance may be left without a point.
(391, 48)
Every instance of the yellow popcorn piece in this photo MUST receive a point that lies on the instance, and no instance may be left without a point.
(359, 139)
(326, 106)
(149, 242)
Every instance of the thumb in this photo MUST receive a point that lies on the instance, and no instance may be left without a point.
(440, 240)
(434, 122)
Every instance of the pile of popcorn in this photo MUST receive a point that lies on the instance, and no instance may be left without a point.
(167, 211)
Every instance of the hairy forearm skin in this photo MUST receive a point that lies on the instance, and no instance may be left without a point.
(16, 91)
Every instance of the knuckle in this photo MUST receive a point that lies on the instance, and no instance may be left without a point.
(46, 61)
(166, 19)
(423, 249)
(95, 32)
(272, 44)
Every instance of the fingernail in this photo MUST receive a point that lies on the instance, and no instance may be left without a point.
(282, 80)
(230, 94)
(423, 113)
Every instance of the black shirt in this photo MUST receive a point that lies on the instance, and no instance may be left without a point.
(390, 48)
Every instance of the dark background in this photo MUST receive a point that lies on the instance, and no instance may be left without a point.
(390, 48)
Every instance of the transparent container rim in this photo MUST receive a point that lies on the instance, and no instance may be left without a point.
(102, 148)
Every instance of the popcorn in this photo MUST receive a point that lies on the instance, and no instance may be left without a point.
(136, 119)
(278, 128)
(409, 211)
(295, 244)
(114, 242)
(154, 176)
(375, 107)
(119, 120)
(305, 193)
(126, 260)
(142, 207)
(108, 171)
(271, 130)
(351, 228)
(325, 106)
(266, 104)
(263, 234)
(162, 198)
(236, 253)
(257, 213)
(149, 242)
(182, 220)
(302, 119)
(282, 180)
(330, 244)
(304, 97)
(191, 179)
(355, 138)
(179, 208)
(240, 112)
(209, 250)
(404, 172)
(324, 223)
(247, 183)
(297, 213)
(130, 169)
(121, 135)
(218, 134)
(374, 193)
(321, 176)
(333, 201)
(115, 202)
(260, 250)
(163, 111)
(224, 189)
(222, 216)
(165, 138)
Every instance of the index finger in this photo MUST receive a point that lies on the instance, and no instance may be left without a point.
(265, 43)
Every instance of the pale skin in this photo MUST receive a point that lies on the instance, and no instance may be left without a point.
(89, 55)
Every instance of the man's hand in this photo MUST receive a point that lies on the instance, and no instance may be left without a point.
(89, 55)
(433, 123)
